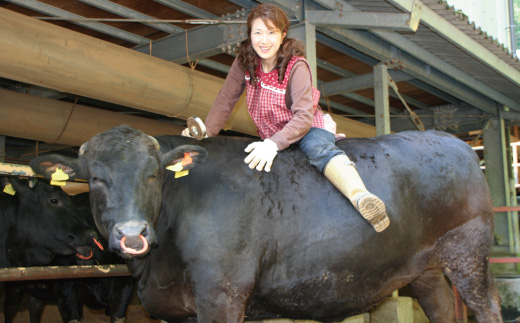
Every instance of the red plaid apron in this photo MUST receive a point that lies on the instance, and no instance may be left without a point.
(266, 101)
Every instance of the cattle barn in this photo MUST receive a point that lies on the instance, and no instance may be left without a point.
(71, 69)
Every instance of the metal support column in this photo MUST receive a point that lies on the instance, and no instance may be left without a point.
(307, 33)
(499, 174)
(382, 105)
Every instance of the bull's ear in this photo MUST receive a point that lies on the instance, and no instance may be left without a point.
(48, 164)
(21, 186)
(188, 155)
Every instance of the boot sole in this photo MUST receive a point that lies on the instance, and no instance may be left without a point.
(373, 210)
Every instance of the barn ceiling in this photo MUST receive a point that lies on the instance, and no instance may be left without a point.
(452, 75)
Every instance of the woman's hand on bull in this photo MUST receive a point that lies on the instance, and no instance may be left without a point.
(262, 154)
(186, 133)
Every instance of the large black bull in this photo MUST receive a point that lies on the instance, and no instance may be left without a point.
(230, 241)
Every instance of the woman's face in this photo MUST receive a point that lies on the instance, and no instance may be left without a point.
(265, 41)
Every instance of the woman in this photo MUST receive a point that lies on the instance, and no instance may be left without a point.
(284, 106)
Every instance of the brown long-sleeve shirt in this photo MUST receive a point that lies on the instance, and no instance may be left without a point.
(298, 99)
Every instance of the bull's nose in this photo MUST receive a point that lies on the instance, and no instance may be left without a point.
(133, 236)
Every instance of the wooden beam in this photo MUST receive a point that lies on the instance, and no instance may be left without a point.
(35, 118)
(40, 53)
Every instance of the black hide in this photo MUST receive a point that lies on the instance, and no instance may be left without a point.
(230, 241)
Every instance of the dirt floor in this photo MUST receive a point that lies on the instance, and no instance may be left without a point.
(134, 314)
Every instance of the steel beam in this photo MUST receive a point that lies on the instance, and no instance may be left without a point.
(360, 82)
(187, 9)
(203, 42)
(132, 14)
(368, 43)
(450, 118)
(360, 20)
(99, 27)
(418, 52)
(498, 163)
(382, 108)
(307, 33)
(456, 36)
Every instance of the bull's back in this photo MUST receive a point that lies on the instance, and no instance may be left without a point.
(307, 237)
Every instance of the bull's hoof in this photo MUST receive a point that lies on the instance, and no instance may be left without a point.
(373, 210)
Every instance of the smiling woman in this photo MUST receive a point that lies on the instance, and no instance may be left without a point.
(283, 104)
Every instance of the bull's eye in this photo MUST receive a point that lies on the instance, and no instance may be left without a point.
(53, 201)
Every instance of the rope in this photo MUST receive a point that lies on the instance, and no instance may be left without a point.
(476, 139)
(413, 115)
(327, 100)
(67, 122)
(192, 78)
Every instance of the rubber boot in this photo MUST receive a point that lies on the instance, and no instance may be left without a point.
(341, 172)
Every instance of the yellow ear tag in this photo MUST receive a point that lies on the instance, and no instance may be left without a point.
(9, 189)
(59, 175)
(58, 183)
(59, 178)
(175, 168)
(181, 173)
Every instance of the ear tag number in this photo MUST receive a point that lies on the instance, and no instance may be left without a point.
(59, 178)
(177, 168)
(9, 189)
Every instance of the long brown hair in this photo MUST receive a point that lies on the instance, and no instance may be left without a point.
(272, 16)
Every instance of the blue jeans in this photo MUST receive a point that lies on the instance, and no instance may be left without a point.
(319, 145)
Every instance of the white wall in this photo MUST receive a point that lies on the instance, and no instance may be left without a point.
(492, 16)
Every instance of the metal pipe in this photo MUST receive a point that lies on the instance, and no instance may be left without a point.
(61, 272)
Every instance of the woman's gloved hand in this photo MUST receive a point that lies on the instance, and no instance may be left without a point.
(262, 154)
(186, 133)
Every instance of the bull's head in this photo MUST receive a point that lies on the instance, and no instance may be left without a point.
(125, 170)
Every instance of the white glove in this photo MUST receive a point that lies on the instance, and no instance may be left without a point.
(263, 154)
(186, 133)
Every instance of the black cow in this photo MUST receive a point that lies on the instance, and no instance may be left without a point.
(230, 241)
(112, 294)
(37, 224)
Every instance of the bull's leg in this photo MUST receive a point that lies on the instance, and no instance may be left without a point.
(13, 297)
(221, 305)
(435, 296)
(122, 287)
(36, 306)
(465, 260)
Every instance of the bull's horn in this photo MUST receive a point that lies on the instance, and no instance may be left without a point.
(155, 143)
(82, 149)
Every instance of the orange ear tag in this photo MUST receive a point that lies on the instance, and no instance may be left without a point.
(187, 159)
(9, 189)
